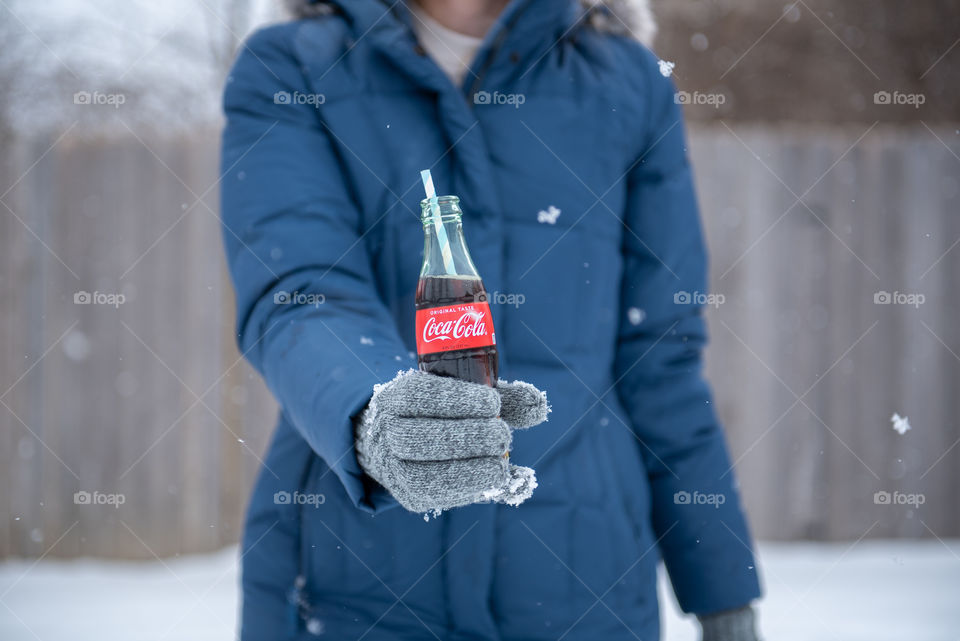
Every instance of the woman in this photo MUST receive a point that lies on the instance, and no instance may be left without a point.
(560, 134)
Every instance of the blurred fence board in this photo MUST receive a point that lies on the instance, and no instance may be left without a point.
(113, 407)
(117, 398)
(799, 320)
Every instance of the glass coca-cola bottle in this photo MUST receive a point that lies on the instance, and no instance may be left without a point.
(455, 334)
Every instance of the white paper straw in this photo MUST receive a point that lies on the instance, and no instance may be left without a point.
(438, 223)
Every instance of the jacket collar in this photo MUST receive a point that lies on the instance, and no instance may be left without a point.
(541, 20)
(525, 28)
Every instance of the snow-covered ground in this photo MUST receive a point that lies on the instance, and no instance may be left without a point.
(872, 591)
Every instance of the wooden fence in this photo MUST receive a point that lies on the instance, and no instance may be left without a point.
(147, 399)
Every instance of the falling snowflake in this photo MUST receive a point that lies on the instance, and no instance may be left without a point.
(315, 627)
(76, 346)
(900, 423)
(549, 216)
(635, 315)
(666, 68)
(366, 341)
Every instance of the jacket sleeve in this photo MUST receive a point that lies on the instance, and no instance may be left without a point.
(309, 318)
(696, 513)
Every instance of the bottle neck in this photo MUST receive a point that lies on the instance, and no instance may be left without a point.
(442, 221)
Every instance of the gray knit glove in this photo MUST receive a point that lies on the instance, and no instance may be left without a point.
(730, 625)
(436, 443)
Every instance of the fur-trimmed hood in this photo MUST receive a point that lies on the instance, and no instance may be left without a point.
(624, 17)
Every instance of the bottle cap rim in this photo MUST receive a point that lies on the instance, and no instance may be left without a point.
(427, 210)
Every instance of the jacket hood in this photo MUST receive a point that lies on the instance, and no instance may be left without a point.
(632, 18)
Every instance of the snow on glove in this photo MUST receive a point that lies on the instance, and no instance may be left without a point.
(731, 625)
(436, 443)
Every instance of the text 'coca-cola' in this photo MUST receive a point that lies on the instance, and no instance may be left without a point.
(455, 327)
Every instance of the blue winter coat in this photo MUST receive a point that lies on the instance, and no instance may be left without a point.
(329, 121)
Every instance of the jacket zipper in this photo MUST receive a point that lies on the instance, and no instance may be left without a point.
(491, 55)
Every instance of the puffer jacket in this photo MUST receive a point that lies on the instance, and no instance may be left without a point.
(579, 199)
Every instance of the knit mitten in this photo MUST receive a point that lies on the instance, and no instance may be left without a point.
(730, 625)
(436, 443)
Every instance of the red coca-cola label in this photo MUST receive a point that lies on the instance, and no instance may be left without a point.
(455, 327)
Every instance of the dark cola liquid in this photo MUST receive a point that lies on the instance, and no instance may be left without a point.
(477, 365)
